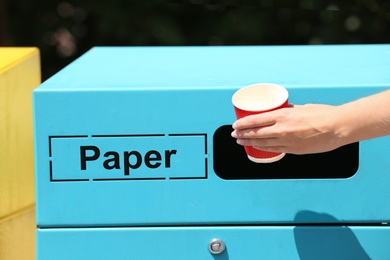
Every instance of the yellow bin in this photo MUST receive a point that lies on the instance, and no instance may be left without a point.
(19, 75)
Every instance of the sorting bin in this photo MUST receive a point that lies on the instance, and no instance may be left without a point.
(19, 75)
(134, 158)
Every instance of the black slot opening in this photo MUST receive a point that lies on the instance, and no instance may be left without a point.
(232, 163)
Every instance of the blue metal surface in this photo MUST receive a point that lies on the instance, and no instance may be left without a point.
(135, 104)
(255, 242)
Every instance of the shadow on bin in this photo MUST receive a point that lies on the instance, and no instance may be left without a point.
(325, 242)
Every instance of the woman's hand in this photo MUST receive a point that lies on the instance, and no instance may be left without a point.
(316, 128)
(298, 130)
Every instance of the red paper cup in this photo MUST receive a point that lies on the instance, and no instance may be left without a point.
(256, 99)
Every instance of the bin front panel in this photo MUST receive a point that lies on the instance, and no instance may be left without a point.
(138, 136)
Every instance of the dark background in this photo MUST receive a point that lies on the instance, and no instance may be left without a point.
(63, 30)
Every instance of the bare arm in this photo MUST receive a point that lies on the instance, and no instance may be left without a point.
(315, 128)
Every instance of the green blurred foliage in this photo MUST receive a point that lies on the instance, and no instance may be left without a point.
(63, 30)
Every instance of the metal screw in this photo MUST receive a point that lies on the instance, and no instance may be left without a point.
(216, 246)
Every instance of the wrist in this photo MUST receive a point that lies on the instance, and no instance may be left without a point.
(342, 125)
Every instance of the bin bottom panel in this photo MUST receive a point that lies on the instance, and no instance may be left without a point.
(241, 242)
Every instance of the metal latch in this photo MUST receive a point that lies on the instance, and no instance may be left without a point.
(216, 246)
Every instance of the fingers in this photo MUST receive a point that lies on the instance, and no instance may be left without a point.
(260, 120)
(263, 143)
(255, 133)
(253, 121)
(263, 131)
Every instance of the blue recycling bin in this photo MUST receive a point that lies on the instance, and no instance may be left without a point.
(134, 158)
